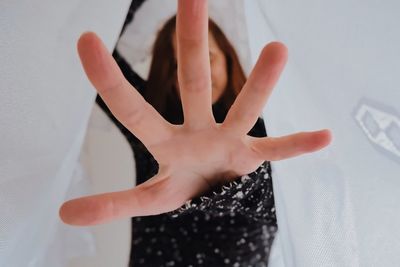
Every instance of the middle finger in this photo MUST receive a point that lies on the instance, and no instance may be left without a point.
(194, 75)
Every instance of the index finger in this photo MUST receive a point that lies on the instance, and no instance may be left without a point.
(124, 101)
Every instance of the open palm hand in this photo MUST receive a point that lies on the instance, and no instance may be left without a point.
(199, 153)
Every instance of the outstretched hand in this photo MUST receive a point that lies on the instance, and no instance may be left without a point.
(199, 153)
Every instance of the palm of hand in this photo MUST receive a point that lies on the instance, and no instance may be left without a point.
(212, 155)
(200, 153)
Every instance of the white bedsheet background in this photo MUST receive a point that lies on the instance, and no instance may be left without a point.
(337, 207)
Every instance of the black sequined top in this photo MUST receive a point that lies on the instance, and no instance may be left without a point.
(230, 225)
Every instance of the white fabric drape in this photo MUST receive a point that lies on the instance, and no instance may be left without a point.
(340, 206)
(45, 101)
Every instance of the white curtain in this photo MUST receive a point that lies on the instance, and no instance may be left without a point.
(337, 207)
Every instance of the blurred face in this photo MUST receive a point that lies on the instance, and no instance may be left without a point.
(219, 75)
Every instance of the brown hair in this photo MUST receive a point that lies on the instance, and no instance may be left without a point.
(161, 91)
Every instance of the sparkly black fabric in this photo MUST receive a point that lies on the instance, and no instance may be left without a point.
(230, 225)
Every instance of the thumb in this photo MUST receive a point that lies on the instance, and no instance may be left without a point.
(150, 198)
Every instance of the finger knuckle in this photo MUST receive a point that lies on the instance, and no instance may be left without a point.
(135, 116)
